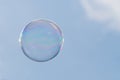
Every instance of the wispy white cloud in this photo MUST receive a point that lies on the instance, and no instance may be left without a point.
(103, 11)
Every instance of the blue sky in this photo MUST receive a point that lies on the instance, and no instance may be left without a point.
(91, 32)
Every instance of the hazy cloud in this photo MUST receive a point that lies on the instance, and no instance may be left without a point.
(104, 11)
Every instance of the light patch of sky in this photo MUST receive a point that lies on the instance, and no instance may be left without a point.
(103, 11)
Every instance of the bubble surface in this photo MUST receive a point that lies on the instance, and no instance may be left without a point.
(41, 40)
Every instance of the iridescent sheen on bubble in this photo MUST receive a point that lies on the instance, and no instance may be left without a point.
(41, 40)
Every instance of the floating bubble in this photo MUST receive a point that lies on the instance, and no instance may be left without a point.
(41, 40)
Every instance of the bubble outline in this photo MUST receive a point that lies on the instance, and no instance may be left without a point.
(51, 23)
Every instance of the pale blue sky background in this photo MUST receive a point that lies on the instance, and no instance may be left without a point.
(91, 50)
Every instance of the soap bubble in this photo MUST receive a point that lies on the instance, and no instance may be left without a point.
(41, 40)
